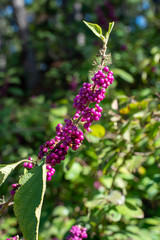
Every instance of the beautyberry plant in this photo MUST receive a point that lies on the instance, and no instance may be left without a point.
(29, 192)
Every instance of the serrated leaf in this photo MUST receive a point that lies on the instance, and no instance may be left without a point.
(124, 75)
(28, 201)
(5, 170)
(95, 28)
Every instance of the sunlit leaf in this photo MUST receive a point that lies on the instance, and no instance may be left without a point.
(95, 28)
(115, 197)
(97, 130)
(125, 110)
(129, 210)
(5, 170)
(111, 25)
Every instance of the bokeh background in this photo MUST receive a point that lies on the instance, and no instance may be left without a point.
(46, 52)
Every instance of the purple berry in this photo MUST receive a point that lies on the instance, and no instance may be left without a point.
(48, 167)
(12, 192)
(14, 185)
(30, 165)
(25, 165)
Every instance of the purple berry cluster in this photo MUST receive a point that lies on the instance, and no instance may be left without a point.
(50, 172)
(13, 238)
(15, 187)
(92, 93)
(77, 232)
(28, 165)
(69, 135)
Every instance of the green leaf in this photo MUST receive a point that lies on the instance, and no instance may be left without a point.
(130, 210)
(124, 75)
(97, 130)
(115, 197)
(5, 170)
(153, 129)
(113, 216)
(92, 139)
(94, 203)
(95, 28)
(111, 25)
(152, 221)
(157, 143)
(73, 173)
(28, 201)
(61, 211)
(125, 127)
(59, 112)
(134, 163)
(109, 163)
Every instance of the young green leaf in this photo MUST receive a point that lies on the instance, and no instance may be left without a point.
(95, 28)
(111, 25)
(5, 170)
(28, 201)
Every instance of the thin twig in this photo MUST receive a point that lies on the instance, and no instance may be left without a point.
(6, 204)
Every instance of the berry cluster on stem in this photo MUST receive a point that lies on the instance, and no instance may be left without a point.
(69, 135)
(77, 232)
(13, 238)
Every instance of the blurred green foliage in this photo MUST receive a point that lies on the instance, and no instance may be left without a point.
(111, 184)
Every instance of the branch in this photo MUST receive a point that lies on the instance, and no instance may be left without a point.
(6, 204)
